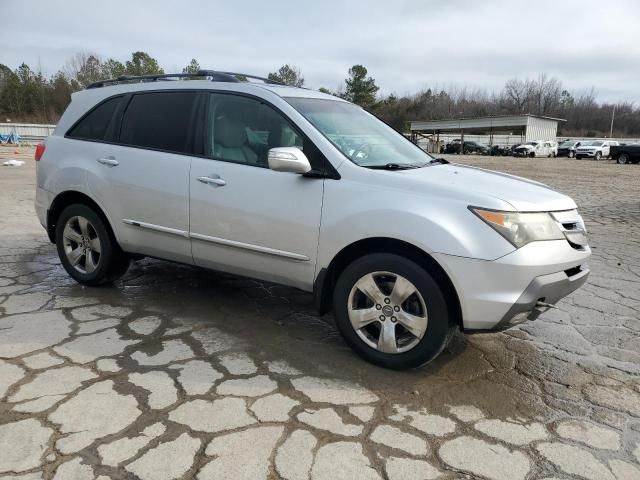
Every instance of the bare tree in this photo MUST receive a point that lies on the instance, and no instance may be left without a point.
(519, 93)
(85, 68)
(547, 92)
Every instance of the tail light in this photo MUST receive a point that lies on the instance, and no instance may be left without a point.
(39, 151)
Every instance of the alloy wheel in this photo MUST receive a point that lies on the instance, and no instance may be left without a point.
(81, 244)
(387, 312)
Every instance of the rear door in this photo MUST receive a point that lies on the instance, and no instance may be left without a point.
(244, 217)
(142, 178)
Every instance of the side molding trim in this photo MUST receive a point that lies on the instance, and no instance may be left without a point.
(248, 246)
(219, 241)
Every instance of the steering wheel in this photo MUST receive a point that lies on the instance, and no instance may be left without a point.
(364, 148)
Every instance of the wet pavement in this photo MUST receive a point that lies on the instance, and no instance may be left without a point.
(178, 372)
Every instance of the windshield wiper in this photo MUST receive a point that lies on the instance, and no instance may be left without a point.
(393, 166)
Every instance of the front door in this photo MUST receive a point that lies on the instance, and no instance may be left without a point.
(244, 217)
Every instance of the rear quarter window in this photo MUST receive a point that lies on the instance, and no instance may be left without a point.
(98, 124)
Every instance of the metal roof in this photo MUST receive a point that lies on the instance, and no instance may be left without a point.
(495, 123)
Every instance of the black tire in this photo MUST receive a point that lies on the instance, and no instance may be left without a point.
(532, 155)
(571, 154)
(578, 157)
(623, 159)
(440, 326)
(112, 262)
(597, 156)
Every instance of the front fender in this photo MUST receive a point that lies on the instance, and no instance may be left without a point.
(353, 212)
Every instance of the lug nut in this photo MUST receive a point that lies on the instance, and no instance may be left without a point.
(396, 308)
(387, 301)
(382, 318)
(378, 307)
(394, 319)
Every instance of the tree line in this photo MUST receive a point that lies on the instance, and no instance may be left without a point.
(26, 95)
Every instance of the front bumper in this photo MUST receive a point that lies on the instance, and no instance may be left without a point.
(545, 289)
(497, 294)
(585, 154)
(522, 153)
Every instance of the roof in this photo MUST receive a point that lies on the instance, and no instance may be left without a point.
(498, 122)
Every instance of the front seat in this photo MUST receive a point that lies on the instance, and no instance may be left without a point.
(230, 141)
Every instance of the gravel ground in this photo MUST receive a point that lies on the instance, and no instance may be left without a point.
(177, 372)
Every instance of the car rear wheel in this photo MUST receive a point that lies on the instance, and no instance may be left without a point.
(571, 154)
(391, 311)
(532, 155)
(623, 159)
(86, 247)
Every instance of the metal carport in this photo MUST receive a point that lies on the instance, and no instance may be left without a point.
(529, 127)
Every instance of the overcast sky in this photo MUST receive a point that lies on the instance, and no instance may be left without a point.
(406, 45)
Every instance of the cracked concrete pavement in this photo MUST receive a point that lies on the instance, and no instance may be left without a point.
(178, 372)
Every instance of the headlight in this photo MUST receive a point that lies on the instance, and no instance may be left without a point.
(521, 228)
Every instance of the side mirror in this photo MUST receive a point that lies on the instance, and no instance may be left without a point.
(288, 159)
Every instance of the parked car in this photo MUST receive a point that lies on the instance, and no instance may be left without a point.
(500, 151)
(470, 147)
(568, 148)
(537, 148)
(624, 154)
(595, 149)
(293, 186)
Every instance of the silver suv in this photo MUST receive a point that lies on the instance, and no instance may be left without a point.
(293, 186)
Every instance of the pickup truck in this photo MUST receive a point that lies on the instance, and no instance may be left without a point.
(624, 154)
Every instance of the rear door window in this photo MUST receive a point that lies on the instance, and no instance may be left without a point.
(98, 125)
(160, 121)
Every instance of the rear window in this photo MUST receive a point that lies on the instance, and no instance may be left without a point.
(98, 124)
(160, 121)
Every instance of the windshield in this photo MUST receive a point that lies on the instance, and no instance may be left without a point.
(591, 144)
(568, 144)
(360, 136)
(532, 143)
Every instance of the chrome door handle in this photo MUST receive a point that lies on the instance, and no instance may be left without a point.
(108, 161)
(212, 181)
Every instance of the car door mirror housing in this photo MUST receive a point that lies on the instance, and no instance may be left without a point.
(288, 159)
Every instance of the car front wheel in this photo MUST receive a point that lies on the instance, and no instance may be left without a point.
(86, 247)
(598, 156)
(391, 311)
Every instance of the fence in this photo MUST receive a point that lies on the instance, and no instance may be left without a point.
(28, 132)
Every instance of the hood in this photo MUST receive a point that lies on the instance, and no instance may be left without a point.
(479, 184)
(525, 147)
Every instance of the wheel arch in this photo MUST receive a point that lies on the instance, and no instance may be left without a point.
(69, 197)
(327, 277)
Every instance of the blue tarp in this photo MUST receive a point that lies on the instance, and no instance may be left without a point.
(12, 137)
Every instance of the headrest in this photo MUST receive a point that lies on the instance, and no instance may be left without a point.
(229, 132)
